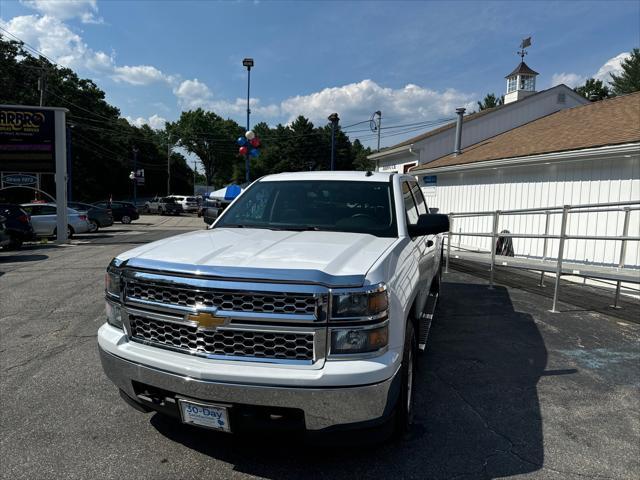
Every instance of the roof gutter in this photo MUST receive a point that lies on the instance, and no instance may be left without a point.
(629, 149)
(393, 151)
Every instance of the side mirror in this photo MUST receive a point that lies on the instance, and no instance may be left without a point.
(429, 224)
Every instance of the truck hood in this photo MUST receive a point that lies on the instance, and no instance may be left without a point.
(334, 258)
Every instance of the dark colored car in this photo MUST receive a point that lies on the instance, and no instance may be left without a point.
(98, 217)
(169, 206)
(124, 212)
(212, 209)
(5, 239)
(18, 224)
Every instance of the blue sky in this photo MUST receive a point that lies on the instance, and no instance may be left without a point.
(415, 61)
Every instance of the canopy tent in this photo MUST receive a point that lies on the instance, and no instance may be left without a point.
(227, 193)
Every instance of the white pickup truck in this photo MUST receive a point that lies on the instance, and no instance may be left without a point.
(302, 307)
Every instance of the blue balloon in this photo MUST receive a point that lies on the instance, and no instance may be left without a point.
(254, 152)
(242, 141)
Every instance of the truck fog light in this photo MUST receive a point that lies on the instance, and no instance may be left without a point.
(358, 340)
(114, 314)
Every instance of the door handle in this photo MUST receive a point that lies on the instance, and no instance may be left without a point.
(429, 243)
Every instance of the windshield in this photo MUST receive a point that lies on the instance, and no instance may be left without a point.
(327, 205)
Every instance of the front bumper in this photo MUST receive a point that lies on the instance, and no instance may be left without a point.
(323, 408)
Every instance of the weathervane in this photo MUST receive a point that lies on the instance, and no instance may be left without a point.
(526, 42)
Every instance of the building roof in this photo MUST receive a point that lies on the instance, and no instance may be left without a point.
(608, 122)
(522, 69)
(467, 118)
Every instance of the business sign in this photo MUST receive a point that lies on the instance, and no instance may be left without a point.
(19, 180)
(137, 176)
(429, 183)
(27, 139)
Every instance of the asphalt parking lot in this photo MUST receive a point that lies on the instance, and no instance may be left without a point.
(506, 389)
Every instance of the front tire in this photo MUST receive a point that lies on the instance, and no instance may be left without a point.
(404, 407)
(93, 226)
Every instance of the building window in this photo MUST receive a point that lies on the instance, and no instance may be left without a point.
(527, 82)
(511, 84)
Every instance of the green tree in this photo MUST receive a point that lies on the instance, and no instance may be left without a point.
(490, 101)
(629, 80)
(212, 139)
(593, 90)
(360, 154)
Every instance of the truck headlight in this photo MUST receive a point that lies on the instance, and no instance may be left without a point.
(366, 303)
(112, 283)
(114, 314)
(358, 339)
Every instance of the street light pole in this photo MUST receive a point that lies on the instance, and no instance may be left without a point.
(333, 118)
(135, 179)
(379, 114)
(247, 62)
(168, 165)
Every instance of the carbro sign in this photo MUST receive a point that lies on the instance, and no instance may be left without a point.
(27, 140)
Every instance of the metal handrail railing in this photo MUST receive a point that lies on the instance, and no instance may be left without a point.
(565, 210)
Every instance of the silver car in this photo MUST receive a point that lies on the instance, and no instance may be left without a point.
(44, 219)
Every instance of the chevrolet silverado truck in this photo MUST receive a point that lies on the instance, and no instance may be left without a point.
(302, 307)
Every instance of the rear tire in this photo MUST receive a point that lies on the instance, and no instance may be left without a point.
(126, 219)
(14, 244)
(404, 408)
(93, 226)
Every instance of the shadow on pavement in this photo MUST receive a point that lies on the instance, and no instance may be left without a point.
(477, 409)
(22, 258)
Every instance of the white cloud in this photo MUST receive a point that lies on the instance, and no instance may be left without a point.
(85, 10)
(613, 65)
(154, 121)
(139, 75)
(357, 101)
(569, 79)
(193, 94)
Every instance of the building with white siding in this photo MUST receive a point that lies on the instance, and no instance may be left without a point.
(524, 106)
(586, 154)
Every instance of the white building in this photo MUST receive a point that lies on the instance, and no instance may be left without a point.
(581, 155)
(522, 104)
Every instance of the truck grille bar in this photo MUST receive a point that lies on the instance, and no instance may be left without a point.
(224, 300)
(223, 342)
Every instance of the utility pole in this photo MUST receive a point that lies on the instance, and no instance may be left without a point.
(42, 85)
(195, 174)
(334, 119)
(379, 114)
(168, 165)
(135, 176)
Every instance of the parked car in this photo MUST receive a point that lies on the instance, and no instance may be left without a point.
(169, 206)
(44, 219)
(98, 217)
(152, 205)
(302, 308)
(125, 212)
(212, 209)
(189, 204)
(18, 225)
(5, 239)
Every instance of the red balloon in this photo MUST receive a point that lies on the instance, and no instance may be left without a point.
(255, 142)
(243, 150)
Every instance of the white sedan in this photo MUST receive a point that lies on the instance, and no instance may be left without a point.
(44, 219)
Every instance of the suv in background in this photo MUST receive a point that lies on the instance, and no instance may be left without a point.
(189, 204)
(18, 225)
(125, 212)
(98, 217)
(169, 206)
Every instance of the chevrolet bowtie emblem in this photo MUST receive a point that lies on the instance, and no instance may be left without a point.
(206, 320)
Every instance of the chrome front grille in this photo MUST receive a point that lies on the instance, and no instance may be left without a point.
(223, 342)
(226, 300)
